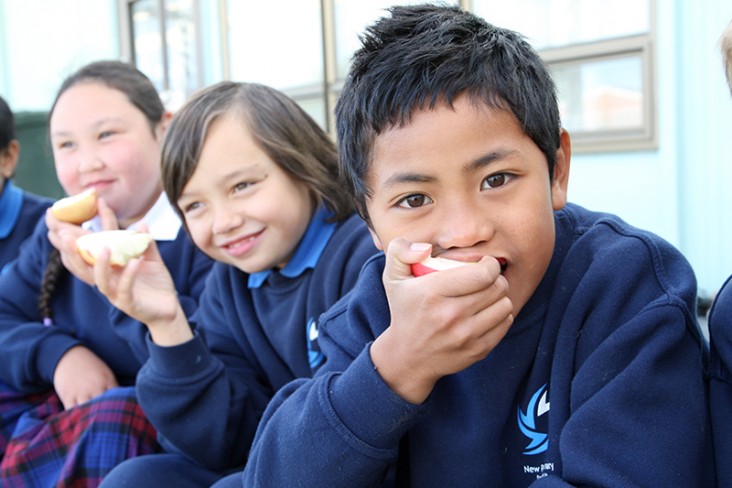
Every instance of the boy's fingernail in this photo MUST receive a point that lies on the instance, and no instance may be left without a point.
(419, 246)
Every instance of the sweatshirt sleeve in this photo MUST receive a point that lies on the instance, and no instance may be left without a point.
(345, 424)
(206, 406)
(30, 350)
(189, 268)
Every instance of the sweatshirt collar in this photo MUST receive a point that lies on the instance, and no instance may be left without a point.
(11, 201)
(162, 221)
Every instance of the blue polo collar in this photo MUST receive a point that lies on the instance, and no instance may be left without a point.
(308, 252)
(11, 201)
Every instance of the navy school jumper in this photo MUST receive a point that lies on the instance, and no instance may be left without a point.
(599, 382)
(253, 334)
(81, 314)
(720, 387)
(19, 213)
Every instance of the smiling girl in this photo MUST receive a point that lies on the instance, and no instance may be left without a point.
(70, 358)
(256, 182)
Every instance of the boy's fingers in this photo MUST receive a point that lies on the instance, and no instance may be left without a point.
(401, 254)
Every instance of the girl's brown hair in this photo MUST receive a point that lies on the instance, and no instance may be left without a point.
(289, 136)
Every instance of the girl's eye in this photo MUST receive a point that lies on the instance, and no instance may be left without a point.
(191, 207)
(105, 133)
(242, 186)
(414, 201)
(65, 145)
(494, 181)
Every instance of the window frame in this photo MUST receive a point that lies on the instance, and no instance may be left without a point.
(617, 139)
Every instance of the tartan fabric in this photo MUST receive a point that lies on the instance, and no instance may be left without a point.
(46, 446)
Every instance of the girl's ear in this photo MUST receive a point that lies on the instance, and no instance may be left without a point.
(163, 124)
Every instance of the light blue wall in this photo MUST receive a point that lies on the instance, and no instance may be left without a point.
(681, 190)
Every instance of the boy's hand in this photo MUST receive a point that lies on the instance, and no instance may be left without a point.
(80, 376)
(144, 290)
(441, 323)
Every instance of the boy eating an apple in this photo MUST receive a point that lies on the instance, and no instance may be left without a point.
(565, 352)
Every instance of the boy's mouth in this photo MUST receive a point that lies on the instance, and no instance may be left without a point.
(503, 263)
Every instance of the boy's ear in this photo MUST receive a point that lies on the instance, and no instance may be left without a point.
(377, 241)
(561, 171)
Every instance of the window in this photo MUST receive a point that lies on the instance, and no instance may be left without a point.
(600, 56)
(164, 36)
(599, 53)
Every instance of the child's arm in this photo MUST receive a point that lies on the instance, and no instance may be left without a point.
(344, 426)
(144, 290)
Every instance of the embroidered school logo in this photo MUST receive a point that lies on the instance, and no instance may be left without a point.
(538, 406)
(315, 356)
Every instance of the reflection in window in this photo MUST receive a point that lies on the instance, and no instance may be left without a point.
(601, 95)
(164, 36)
(555, 23)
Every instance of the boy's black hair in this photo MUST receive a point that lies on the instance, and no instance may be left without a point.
(426, 55)
(7, 125)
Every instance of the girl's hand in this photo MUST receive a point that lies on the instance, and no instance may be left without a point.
(80, 376)
(441, 323)
(63, 237)
(144, 290)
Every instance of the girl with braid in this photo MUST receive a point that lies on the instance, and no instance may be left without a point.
(68, 409)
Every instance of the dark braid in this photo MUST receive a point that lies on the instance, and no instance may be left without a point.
(141, 93)
(54, 269)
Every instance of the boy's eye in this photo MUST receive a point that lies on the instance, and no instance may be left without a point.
(414, 201)
(494, 181)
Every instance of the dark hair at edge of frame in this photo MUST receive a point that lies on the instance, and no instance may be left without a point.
(141, 93)
(285, 132)
(423, 56)
(7, 125)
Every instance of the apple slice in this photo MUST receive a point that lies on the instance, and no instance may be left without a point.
(76, 209)
(430, 265)
(123, 245)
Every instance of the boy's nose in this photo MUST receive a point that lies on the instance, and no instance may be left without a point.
(464, 226)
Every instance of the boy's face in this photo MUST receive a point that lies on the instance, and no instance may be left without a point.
(240, 207)
(470, 182)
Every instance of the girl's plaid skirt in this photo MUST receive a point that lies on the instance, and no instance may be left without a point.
(44, 446)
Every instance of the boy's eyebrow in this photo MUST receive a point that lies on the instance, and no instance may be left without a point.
(476, 164)
(487, 159)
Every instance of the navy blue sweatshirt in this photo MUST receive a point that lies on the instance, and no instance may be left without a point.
(254, 334)
(720, 387)
(19, 214)
(81, 314)
(599, 382)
